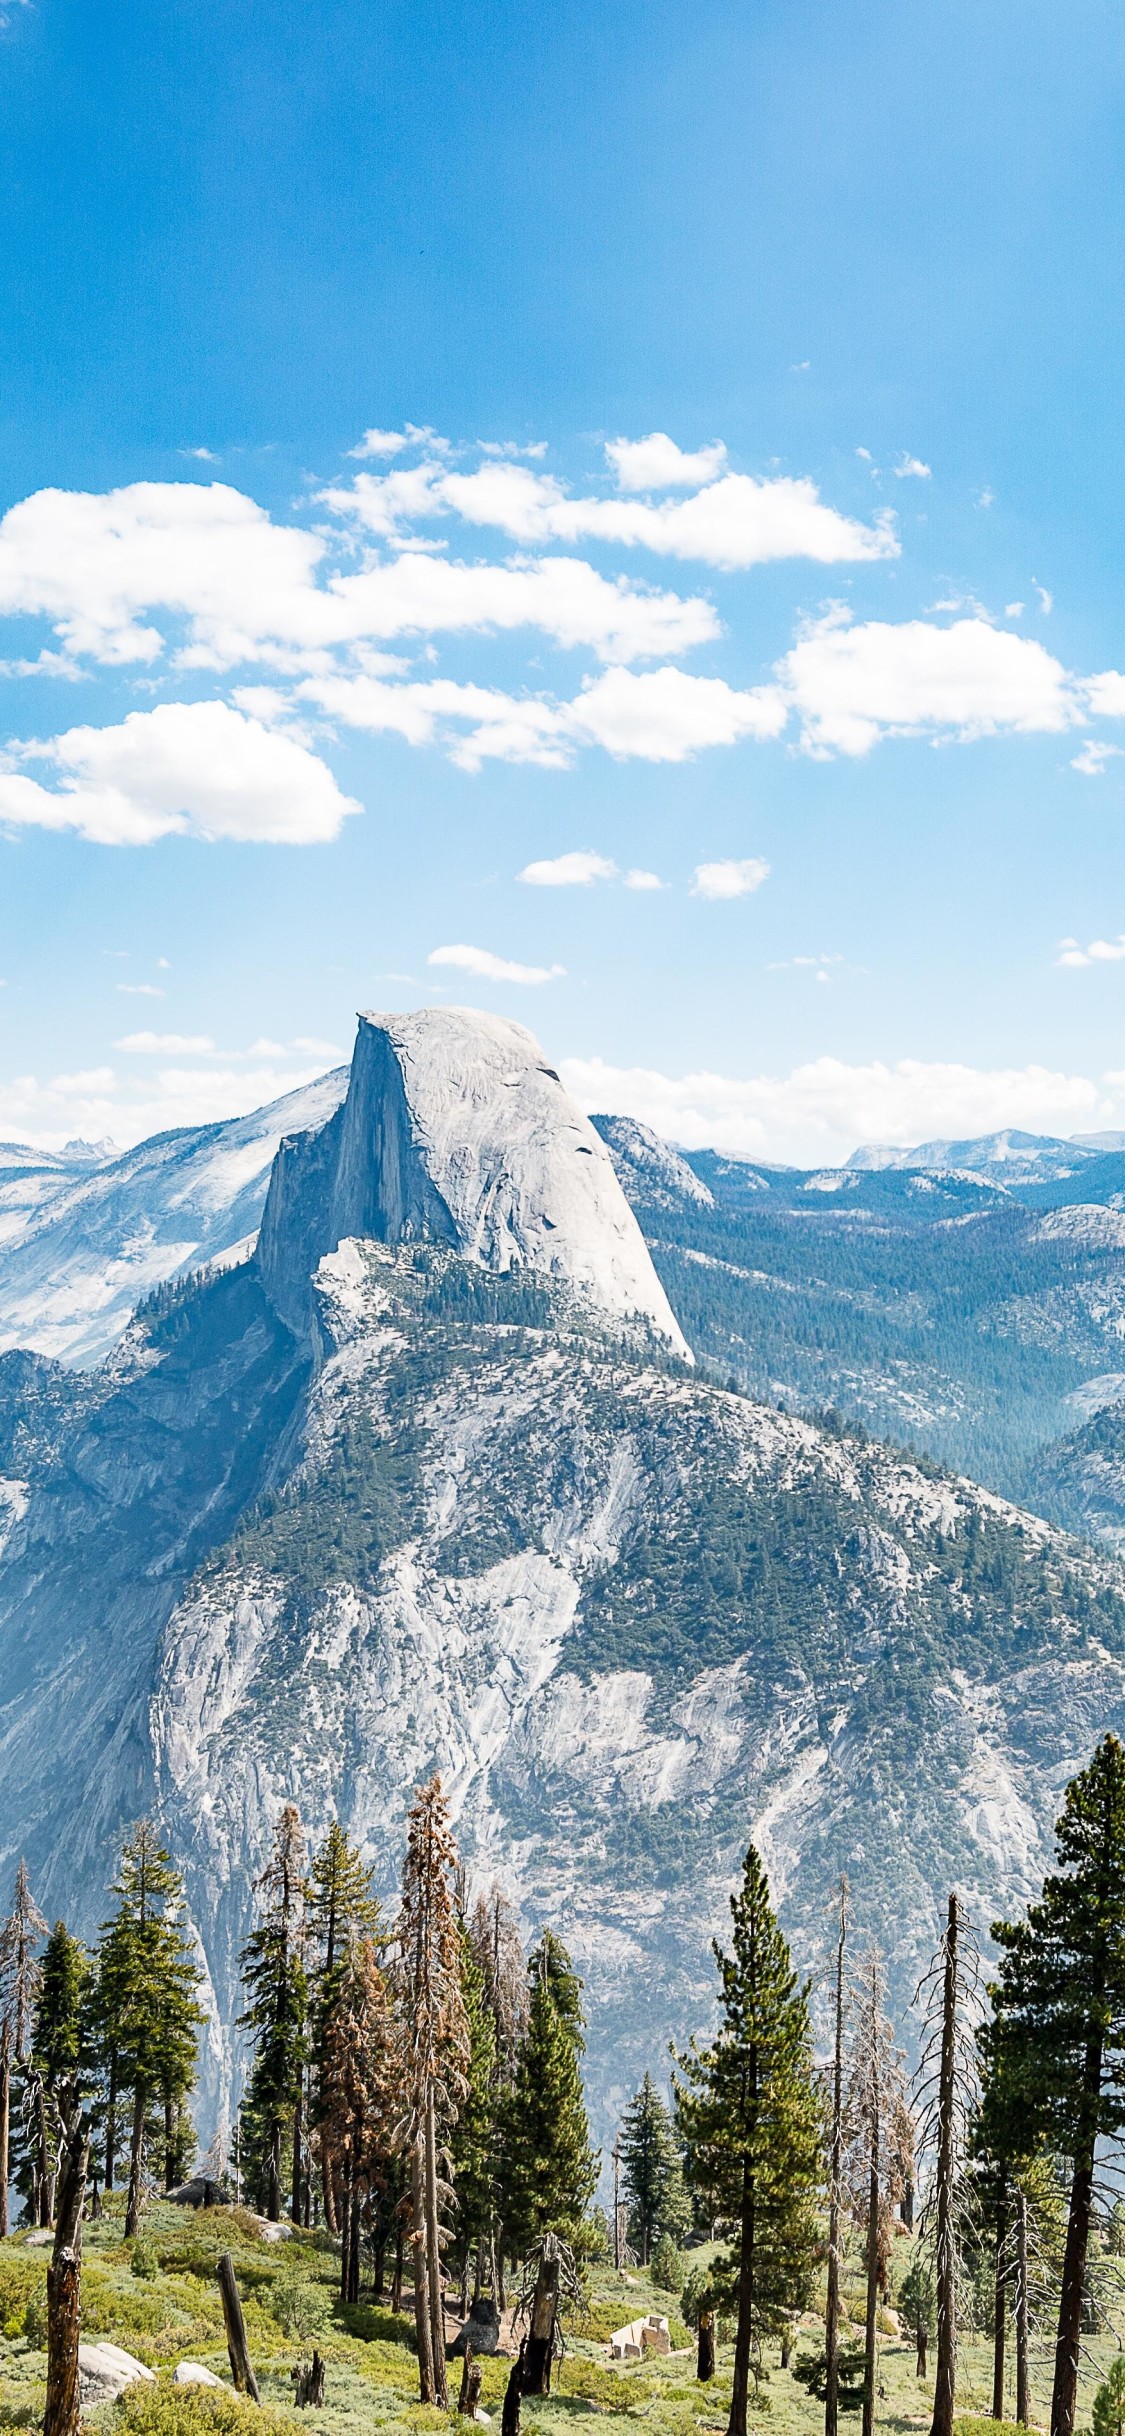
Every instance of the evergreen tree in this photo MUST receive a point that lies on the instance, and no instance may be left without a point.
(549, 2169)
(20, 1935)
(339, 1907)
(874, 2103)
(57, 2042)
(1059, 2030)
(750, 2119)
(651, 2171)
(473, 2144)
(273, 1973)
(494, 1937)
(147, 2007)
(434, 2055)
(1109, 2401)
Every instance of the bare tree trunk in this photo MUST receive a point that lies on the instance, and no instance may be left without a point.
(345, 2230)
(5, 2122)
(832, 2305)
(999, 2309)
(744, 2335)
(64, 2275)
(238, 2353)
(945, 2371)
(472, 2378)
(111, 2125)
(1065, 2392)
(396, 2285)
(433, 2245)
(308, 2383)
(544, 2317)
(169, 2141)
(513, 2395)
(920, 2367)
(354, 2234)
(136, 2159)
(329, 2193)
(297, 2158)
(1023, 2382)
(705, 2347)
(870, 2331)
(422, 2321)
(273, 2192)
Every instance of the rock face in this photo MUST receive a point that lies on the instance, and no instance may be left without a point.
(424, 1484)
(455, 1131)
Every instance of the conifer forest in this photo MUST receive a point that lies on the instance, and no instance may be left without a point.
(407, 2222)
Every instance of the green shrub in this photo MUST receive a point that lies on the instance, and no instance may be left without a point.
(667, 2265)
(144, 2261)
(299, 2307)
(974, 2423)
(165, 2409)
(35, 2319)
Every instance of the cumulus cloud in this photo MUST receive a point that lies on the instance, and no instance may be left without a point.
(657, 464)
(1092, 758)
(484, 966)
(912, 469)
(730, 879)
(577, 870)
(103, 569)
(138, 989)
(98, 1101)
(644, 880)
(667, 715)
(186, 768)
(820, 1111)
(166, 1044)
(852, 684)
(663, 714)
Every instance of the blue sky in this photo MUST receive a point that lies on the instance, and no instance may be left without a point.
(837, 661)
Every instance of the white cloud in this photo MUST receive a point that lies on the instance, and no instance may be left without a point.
(912, 469)
(1046, 599)
(138, 989)
(663, 715)
(129, 1107)
(486, 967)
(166, 1044)
(568, 871)
(853, 684)
(644, 879)
(733, 522)
(820, 1111)
(730, 879)
(666, 715)
(189, 768)
(657, 464)
(1099, 951)
(1092, 758)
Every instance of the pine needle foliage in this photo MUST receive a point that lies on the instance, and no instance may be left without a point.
(750, 2118)
(550, 2169)
(273, 1973)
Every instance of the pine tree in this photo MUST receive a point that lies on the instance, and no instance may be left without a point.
(358, 2093)
(19, 1986)
(494, 1937)
(434, 2055)
(273, 1973)
(339, 1906)
(147, 2000)
(473, 2146)
(750, 2119)
(652, 2171)
(1059, 2033)
(549, 2170)
(57, 2041)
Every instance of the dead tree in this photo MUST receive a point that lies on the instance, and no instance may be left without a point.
(472, 2378)
(705, 2347)
(874, 2102)
(308, 2383)
(550, 2277)
(434, 2058)
(1023, 2380)
(513, 2395)
(949, 1996)
(836, 2161)
(64, 2275)
(238, 2350)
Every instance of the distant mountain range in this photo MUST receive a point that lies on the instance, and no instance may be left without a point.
(427, 1475)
